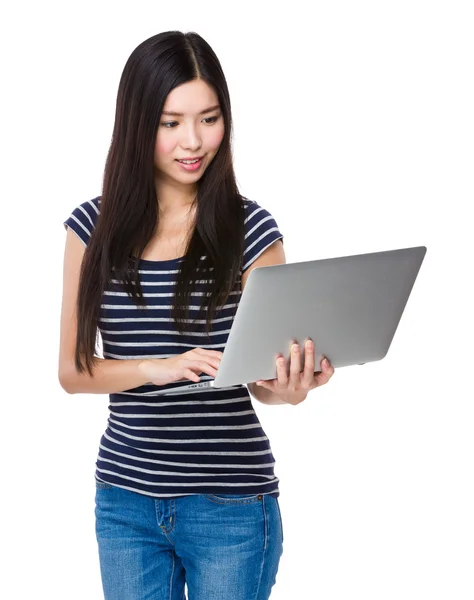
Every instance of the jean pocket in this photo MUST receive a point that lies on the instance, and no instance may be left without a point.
(234, 498)
(103, 485)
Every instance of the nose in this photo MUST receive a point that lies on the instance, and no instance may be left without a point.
(191, 138)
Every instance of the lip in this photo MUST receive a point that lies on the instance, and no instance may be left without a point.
(193, 167)
(191, 158)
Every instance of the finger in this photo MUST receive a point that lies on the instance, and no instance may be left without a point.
(327, 367)
(282, 376)
(326, 373)
(213, 362)
(203, 367)
(211, 353)
(188, 374)
(308, 373)
(295, 366)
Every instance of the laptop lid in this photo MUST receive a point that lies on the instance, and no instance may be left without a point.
(350, 307)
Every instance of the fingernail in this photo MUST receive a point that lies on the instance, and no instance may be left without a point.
(309, 344)
(326, 362)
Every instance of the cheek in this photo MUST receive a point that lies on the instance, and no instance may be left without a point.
(164, 146)
(215, 138)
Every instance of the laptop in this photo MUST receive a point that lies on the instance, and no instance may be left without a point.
(350, 306)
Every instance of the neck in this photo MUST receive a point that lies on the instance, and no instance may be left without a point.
(174, 199)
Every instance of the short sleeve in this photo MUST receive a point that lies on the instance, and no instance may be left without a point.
(261, 231)
(83, 219)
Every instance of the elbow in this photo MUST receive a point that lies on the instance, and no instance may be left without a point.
(256, 392)
(66, 380)
(251, 389)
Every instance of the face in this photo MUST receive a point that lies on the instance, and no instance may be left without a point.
(191, 134)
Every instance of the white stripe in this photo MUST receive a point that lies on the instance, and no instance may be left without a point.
(261, 238)
(161, 332)
(163, 283)
(179, 473)
(161, 320)
(81, 225)
(155, 271)
(190, 428)
(184, 464)
(261, 222)
(190, 483)
(177, 402)
(190, 452)
(148, 344)
(141, 356)
(94, 207)
(87, 214)
(163, 294)
(249, 262)
(193, 392)
(253, 213)
(187, 441)
(156, 307)
(184, 415)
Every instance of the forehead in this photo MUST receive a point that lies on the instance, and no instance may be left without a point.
(191, 98)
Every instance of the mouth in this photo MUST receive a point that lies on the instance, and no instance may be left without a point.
(190, 159)
(191, 164)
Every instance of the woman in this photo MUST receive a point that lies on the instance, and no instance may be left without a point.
(186, 491)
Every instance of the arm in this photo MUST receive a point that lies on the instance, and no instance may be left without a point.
(110, 375)
(263, 395)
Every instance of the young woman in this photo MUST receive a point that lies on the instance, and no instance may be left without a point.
(186, 491)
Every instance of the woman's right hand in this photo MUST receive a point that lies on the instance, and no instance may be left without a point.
(162, 371)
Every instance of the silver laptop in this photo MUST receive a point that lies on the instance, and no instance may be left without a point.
(350, 307)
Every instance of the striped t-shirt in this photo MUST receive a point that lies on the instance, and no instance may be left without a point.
(206, 441)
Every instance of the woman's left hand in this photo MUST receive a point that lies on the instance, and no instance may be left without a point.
(294, 388)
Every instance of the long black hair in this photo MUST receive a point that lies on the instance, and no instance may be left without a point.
(128, 216)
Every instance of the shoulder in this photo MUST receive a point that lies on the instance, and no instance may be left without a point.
(261, 231)
(83, 219)
(254, 211)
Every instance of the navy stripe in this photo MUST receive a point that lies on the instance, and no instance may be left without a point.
(208, 441)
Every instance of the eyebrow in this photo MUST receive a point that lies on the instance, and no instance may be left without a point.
(176, 114)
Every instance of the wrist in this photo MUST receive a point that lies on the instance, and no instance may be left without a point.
(263, 395)
(142, 368)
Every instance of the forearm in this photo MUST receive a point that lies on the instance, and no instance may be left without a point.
(110, 376)
(263, 395)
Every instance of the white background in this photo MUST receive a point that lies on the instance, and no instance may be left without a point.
(354, 127)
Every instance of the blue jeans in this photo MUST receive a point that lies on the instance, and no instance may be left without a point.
(223, 547)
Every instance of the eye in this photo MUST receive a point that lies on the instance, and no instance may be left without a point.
(172, 124)
(212, 119)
